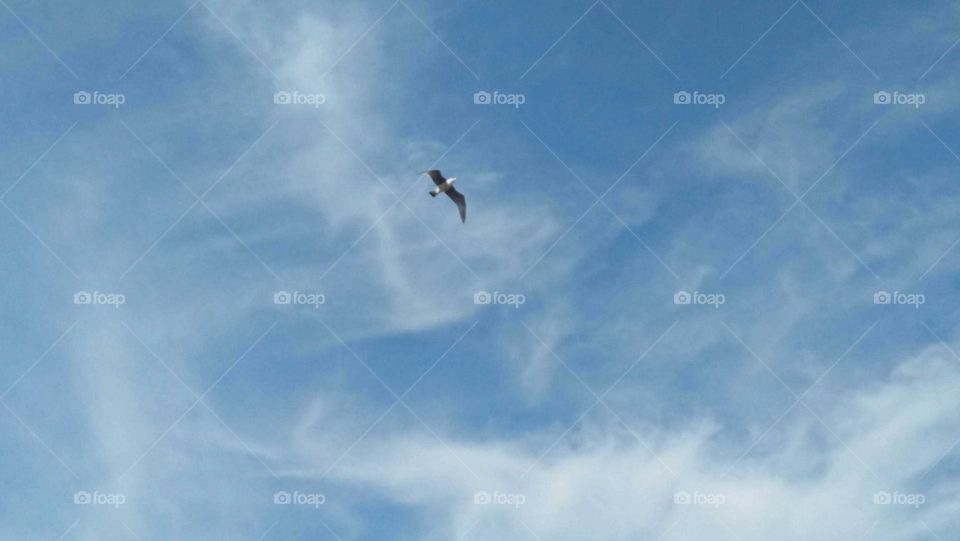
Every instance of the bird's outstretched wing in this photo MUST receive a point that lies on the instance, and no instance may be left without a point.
(436, 176)
(461, 202)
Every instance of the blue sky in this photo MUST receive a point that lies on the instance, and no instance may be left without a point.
(153, 387)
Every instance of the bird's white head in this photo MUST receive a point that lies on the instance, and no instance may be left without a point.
(451, 180)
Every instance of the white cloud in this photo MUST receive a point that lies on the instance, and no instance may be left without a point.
(599, 482)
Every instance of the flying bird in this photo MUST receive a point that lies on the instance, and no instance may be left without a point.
(445, 185)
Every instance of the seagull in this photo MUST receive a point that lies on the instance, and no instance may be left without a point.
(445, 185)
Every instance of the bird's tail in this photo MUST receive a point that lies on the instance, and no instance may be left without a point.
(433, 193)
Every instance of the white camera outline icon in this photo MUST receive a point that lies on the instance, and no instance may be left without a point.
(282, 497)
(682, 297)
(82, 97)
(482, 297)
(82, 498)
(282, 297)
(882, 498)
(82, 297)
(882, 297)
(682, 498)
(282, 97)
(482, 97)
(682, 98)
(882, 97)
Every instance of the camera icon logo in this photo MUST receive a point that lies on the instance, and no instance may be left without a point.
(82, 297)
(481, 97)
(681, 98)
(82, 98)
(282, 498)
(682, 297)
(482, 297)
(882, 498)
(881, 98)
(282, 98)
(282, 297)
(681, 498)
(882, 297)
(82, 498)
(482, 498)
